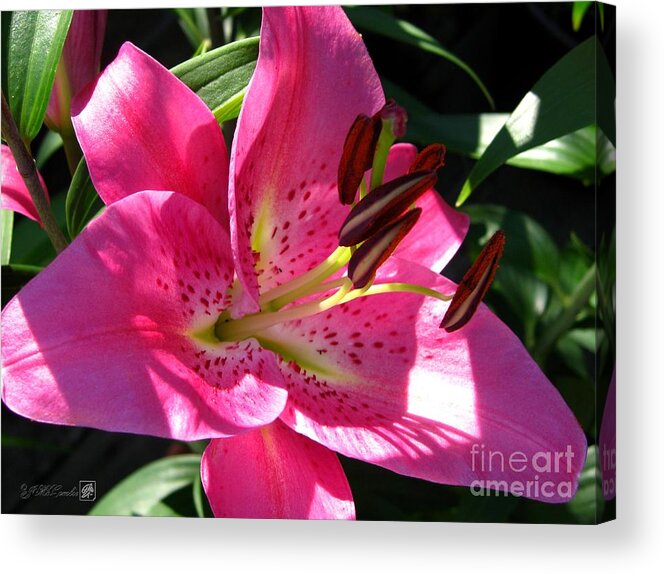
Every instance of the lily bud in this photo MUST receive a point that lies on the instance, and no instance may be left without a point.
(357, 156)
(475, 284)
(382, 205)
(367, 259)
(79, 64)
(429, 159)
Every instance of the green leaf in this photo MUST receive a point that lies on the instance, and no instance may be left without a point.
(82, 202)
(582, 154)
(588, 503)
(51, 143)
(197, 495)
(529, 247)
(572, 355)
(36, 39)
(194, 24)
(163, 510)
(7, 229)
(220, 77)
(380, 22)
(529, 269)
(579, 11)
(576, 92)
(140, 492)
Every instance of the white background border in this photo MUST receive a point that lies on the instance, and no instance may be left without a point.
(72, 544)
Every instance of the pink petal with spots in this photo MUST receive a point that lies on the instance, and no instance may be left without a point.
(440, 230)
(103, 336)
(15, 195)
(273, 472)
(313, 77)
(141, 128)
(608, 442)
(376, 379)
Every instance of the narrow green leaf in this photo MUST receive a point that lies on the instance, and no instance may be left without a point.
(82, 202)
(563, 101)
(579, 299)
(579, 11)
(7, 229)
(529, 247)
(197, 495)
(203, 48)
(528, 274)
(36, 39)
(582, 154)
(230, 109)
(387, 25)
(194, 24)
(163, 510)
(51, 143)
(140, 492)
(220, 77)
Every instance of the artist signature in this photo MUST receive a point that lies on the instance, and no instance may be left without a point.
(46, 490)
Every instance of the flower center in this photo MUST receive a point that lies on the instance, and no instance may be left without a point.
(378, 221)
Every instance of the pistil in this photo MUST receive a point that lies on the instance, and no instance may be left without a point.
(300, 286)
(393, 125)
(229, 330)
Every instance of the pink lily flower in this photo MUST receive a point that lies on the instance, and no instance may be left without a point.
(15, 194)
(205, 302)
(79, 64)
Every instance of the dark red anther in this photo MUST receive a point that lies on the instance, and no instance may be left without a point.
(367, 259)
(394, 115)
(475, 284)
(429, 159)
(357, 156)
(383, 205)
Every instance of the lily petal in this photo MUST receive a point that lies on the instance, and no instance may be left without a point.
(607, 441)
(141, 128)
(274, 472)
(15, 195)
(376, 379)
(105, 336)
(440, 231)
(312, 79)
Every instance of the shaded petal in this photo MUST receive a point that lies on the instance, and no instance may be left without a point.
(312, 79)
(375, 379)
(141, 128)
(607, 441)
(274, 472)
(15, 195)
(440, 231)
(103, 336)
